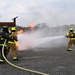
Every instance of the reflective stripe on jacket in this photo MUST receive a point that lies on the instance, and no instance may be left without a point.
(2, 39)
(72, 38)
(3, 45)
(11, 42)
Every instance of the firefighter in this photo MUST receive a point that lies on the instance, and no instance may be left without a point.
(11, 43)
(71, 35)
(4, 35)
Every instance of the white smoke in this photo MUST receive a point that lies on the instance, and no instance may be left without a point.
(27, 39)
(37, 38)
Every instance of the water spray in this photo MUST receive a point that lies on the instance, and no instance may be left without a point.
(44, 40)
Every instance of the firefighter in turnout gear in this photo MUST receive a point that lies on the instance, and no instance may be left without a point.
(71, 35)
(4, 35)
(11, 42)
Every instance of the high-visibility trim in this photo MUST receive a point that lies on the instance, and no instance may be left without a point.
(70, 49)
(14, 58)
(2, 39)
(11, 42)
(72, 35)
(2, 45)
(1, 60)
(72, 38)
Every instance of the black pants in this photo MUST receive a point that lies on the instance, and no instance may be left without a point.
(5, 52)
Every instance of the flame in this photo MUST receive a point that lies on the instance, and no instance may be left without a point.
(16, 44)
(32, 26)
(20, 31)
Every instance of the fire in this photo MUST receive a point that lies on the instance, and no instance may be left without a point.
(20, 31)
(32, 26)
(16, 44)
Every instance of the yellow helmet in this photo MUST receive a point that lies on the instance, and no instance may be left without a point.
(13, 28)
(70, 29)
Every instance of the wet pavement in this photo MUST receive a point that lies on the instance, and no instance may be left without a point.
(53, 61)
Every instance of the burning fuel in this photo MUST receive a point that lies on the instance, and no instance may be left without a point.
(20, 31)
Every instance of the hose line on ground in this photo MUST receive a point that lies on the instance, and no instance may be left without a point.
(18, 67)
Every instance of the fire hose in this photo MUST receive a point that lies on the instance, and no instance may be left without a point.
(18, 67)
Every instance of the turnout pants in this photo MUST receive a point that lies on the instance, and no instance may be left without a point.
(5, 52)
(13, 49)
(70, 43)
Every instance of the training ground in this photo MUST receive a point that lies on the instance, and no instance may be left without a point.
(53, 61)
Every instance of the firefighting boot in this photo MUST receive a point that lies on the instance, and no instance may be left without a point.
(15, 58)
(1, 61)
(69, 49)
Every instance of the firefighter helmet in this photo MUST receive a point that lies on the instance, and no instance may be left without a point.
(70, 29)
(13, 28)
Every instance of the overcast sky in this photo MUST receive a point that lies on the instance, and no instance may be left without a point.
(52, 12)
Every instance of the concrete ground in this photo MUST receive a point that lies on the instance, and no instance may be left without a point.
(53, 61)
